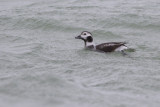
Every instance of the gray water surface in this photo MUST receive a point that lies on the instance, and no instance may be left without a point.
(42, 65)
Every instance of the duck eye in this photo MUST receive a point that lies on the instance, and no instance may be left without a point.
(84, 33)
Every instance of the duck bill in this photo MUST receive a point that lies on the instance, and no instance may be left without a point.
(78, 37)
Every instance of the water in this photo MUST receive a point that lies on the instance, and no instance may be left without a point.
(41, 64)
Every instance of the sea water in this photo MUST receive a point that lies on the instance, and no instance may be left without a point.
(43, 65)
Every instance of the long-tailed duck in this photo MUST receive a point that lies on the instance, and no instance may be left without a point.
(104, 47)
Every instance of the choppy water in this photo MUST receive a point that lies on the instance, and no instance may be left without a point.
(42, 65)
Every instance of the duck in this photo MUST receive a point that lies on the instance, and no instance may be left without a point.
(103, 47)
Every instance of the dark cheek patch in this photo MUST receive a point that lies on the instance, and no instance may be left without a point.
(89, 39)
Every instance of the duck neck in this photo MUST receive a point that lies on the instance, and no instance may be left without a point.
(90, 45)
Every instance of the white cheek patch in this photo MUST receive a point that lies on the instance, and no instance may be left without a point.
(84, 36)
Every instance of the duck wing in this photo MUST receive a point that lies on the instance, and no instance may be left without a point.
(110, 46)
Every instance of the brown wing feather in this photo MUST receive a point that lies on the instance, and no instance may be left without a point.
(109, 47)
